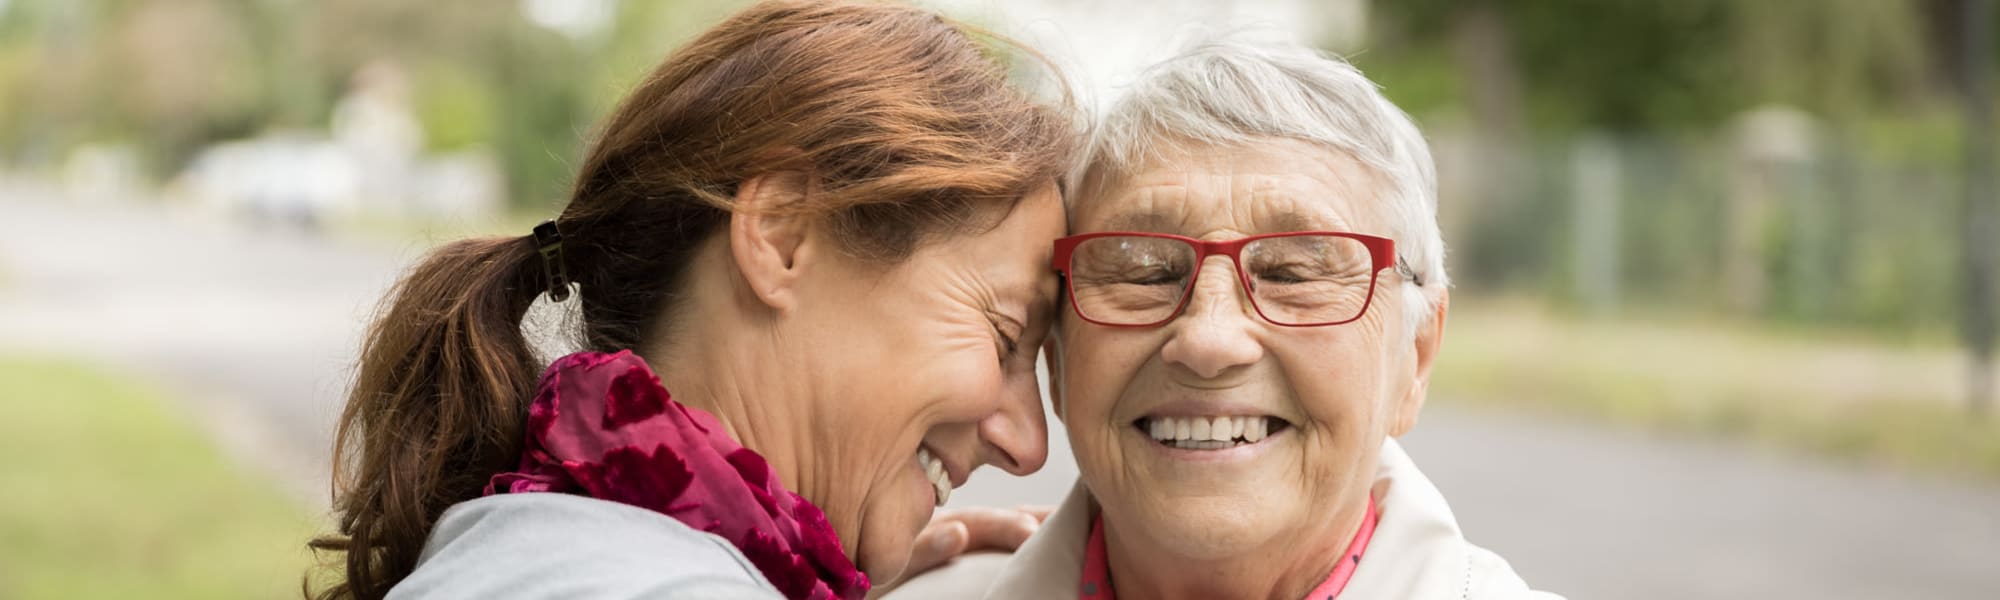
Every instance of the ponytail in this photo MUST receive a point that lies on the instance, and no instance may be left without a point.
(438, 406)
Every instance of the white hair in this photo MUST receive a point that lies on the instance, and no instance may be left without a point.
(1230, 91)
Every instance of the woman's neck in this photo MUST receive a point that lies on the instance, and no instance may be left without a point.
(1286, 567)
(709, 368)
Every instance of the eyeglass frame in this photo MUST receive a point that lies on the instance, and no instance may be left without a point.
(1381, 255)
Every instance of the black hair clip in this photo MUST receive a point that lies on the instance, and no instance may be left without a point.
(548, 242)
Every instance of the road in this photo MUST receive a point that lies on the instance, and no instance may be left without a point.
(257, 331)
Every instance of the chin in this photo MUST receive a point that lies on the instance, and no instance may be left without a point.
(1212, 528)
(884, 555)
(884, 567)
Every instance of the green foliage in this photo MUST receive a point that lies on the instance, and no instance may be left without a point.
(176, 76)
(1861, 238)
(1634, 65)
(1519, 80)
(1624, 64)
(169, 76)
(458, 109)
(1419, 78)
(1859, 233)
(113, 493)
(641, 37)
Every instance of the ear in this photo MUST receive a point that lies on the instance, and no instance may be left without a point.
(1429, 338)
(1052, 356)
(766, 243)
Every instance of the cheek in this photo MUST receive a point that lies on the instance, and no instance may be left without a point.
(1340, 382)
(915, 387)
(1098, 365)
(1100, 368)
(960, 381)
(935, 367)
(901, 382)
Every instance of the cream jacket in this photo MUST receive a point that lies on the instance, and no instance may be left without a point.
(1417, 553)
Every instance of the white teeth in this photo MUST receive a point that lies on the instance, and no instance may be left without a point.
(934, 469)
(1207, 433)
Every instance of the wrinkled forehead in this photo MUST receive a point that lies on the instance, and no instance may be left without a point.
(1267, 187)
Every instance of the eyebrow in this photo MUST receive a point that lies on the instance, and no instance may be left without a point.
(1157, 223)
(1140, 221)
(1297, 222)
(1036, 298)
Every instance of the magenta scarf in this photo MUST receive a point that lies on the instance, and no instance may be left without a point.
(602, 426)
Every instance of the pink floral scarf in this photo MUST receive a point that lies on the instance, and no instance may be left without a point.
(603, 426)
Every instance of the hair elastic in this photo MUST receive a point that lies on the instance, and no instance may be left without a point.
(548, 243)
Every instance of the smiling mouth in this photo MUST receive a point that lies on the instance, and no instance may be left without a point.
(934, 470)
(1209, 433)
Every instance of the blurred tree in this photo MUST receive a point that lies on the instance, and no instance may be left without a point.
(165, 76)
(1505, 87)
(1614, 64)
(1659, 65)
(172, 76)
(1982, 217)
(487, 78)
(1508, 86)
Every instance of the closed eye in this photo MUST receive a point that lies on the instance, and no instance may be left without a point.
(1009, 345)
(1282, 276)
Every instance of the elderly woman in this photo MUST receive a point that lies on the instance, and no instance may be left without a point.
(1255, 298)
(825, 227)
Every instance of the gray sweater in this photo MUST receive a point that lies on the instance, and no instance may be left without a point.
(546, 545)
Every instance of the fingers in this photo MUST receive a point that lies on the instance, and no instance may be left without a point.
(995, 528)
(938, 543)
(956, 531)
(1039, 511)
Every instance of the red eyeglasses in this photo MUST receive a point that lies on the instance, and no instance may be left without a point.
(1294, 279)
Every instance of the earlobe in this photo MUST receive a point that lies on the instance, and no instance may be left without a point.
(1429, 339)
(767, 244)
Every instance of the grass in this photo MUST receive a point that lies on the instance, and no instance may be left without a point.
(112, 493)
(1826, 393)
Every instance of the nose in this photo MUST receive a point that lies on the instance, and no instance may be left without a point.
(1213, 334)
(1017, 437)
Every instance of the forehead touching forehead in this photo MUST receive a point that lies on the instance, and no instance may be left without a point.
(1265, 186)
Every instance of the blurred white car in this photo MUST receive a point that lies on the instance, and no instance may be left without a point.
(282, 177)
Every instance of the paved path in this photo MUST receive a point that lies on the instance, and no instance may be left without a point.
(258, 328)
(1598, 513)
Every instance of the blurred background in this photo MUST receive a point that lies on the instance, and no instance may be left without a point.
(1723, 326)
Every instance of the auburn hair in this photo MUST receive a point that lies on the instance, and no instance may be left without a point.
(907, 122)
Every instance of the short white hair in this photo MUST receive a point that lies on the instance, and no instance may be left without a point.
(1230, 91)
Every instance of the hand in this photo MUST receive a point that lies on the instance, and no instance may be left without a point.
(956, 531)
